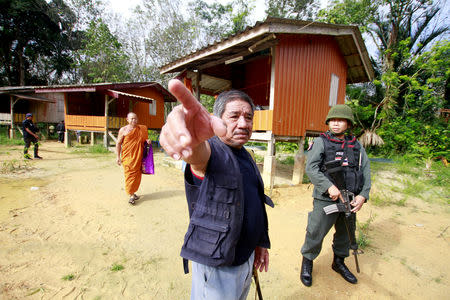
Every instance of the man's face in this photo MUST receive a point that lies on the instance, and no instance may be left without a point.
(132, 119)
(338, 126)
(238, 117)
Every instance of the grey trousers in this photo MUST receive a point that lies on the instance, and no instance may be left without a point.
(318, 226)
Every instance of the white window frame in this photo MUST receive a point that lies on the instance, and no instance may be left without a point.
(334, 88)
(60, 105)
(152, 108)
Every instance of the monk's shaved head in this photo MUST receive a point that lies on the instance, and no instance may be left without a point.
(131, 114)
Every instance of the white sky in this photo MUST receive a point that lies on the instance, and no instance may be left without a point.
(125, 7)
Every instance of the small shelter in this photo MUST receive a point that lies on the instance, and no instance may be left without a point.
(294, 70)
(95, 108)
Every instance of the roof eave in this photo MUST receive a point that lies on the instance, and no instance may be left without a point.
(277, 26)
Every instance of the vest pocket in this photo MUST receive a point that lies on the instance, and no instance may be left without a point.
(223, 194)
(205, 238)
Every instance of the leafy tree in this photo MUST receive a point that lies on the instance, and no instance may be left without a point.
(86, 11)
(102, 58)
(36, 41)
(216, 21)
(402, 31)
(292, 9)
(418, 130)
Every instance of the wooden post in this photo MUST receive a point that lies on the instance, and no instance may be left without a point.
(66, 132)
(299, 163)
(270, 161)
(92, 138)
(197, 88)
(269, 164)
(11, 131)
(105, 137)
(272, 80)
(66, 139)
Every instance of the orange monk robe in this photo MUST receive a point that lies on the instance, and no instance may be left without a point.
(132, 152)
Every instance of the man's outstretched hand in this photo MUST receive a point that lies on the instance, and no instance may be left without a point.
(188, 126)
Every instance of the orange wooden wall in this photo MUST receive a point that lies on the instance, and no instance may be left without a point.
(303, 68)
(142, 109)
(257, 80)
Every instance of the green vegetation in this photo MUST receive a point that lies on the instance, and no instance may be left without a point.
(14, 165)
(286, 147)
(5, 140)
(153, 135)
(262, 146)
(96, 149)
(395, 183)
(259, 158)
(36, 291)
(411, 269)
(116, 267)
(288, 160)
(68, 277)
(398, 112)
(363, 239)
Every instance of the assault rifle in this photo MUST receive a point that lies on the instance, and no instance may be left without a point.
(336, 172)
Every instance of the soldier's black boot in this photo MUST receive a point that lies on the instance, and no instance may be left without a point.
(306, 272)
(36, 150)
(339, 266)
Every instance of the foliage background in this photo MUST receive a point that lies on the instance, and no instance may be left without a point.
(81, 41)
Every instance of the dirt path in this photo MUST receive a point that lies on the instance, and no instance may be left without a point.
(78, 222)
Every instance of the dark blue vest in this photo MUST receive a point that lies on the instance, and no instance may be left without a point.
(216, 209)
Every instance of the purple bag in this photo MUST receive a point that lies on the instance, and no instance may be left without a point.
(147, 160)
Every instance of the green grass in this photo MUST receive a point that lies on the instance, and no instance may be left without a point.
(376, 166)
(259, 158)
(5, 140)
(35, 291)
(410, 179)
(400, 202)
(68, 277)
(379, 199)
(117, 267)
(289, 160)
(263, 146)
(96, 149)
(14, 165)
(363, 239)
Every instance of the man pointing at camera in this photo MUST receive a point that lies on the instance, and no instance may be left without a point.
(228, 228)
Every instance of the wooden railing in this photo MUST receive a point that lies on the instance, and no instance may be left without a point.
(262, 120)
(116, 122)
(93, 123)
(5, 118)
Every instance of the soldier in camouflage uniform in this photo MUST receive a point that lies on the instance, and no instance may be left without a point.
(335, 144)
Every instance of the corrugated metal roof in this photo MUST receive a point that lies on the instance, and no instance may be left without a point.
(33, 98)
(91, 87)
(259, 36)
(116, 94)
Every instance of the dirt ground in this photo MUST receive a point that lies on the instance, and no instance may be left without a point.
(68, 215)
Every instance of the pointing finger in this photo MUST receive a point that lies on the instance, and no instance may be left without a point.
(183, 95)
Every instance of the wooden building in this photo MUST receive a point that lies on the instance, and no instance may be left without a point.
(294, 70)
(100, 108)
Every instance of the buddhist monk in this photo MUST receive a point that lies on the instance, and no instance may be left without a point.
(130, 149)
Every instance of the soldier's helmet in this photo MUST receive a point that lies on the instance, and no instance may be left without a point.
(340, 111)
